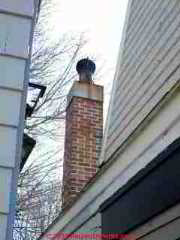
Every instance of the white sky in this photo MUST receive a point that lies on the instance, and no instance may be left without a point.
(102, 21)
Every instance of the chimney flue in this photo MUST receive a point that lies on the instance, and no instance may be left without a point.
(84, 131)
(86, 69)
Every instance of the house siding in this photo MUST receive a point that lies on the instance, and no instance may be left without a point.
(146, 146)
(18, 7)
(16, 21)
(3, 225)
(164, 226)
(148, 71)
(91, 227)
(149, 68)
(168, 231)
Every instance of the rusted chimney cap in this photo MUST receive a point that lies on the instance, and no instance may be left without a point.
(85, 68)
(85, 65)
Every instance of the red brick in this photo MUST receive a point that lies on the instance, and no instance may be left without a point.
(84, 130)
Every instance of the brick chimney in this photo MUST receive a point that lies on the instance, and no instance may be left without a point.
(84, 131)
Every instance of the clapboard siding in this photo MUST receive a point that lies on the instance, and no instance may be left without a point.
(169, 231)
(3, 226)
(138, 8)
(10, 106)
(15, 38)
(137, 91)
(138, 29)
(5, 189)
(143, 44)
(8, 137)
(14, 35)
(162, 227)
(149, 68)
(146, 43)
(147, 40)
(142, 61)
(14, 78)
(18, 7)
(139, 18)
(90, 227)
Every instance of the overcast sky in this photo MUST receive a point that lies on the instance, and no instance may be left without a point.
(102, 21)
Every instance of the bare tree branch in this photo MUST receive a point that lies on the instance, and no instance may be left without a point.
(39, 186)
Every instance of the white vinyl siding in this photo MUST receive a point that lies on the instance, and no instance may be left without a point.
(3, 226)
(14, 35)
(93, 226)
(171, 231)
(150, 66)
(162, 227)
(8, 137)
(16, 17)
(10, 107)
(5, 189)
(15, 77)
(22, 7)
